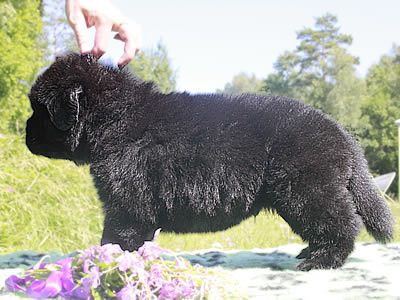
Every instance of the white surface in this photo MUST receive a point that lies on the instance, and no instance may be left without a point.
(372, 271)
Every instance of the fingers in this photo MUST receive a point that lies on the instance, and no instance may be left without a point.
(106, 18)
(83, 38)
(102, 38)
(130, 34)
(78, 23)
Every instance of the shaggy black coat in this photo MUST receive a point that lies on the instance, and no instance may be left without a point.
(199, 163)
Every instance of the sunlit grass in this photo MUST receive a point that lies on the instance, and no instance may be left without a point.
(52, 205)
(264, 231)
(45, 204)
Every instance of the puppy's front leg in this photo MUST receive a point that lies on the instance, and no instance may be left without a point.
(129, 235)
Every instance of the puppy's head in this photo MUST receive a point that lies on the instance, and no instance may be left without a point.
(58, 102)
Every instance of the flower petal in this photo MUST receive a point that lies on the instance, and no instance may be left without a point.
(53, 285)
(35, 289)
(14, 283)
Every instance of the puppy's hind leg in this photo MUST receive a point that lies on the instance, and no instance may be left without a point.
(328, 221)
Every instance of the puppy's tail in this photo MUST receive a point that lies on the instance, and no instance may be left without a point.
(372, 208)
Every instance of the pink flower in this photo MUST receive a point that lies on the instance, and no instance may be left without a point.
(127, 293)
(15, 283)
(108, 251)
(131, 261)
(151, 251)
(105, 270)
(86, 265)
(156, 276)
(180, 263)
(95, 272)
(169, 291)
(49, 288)
(90, 253)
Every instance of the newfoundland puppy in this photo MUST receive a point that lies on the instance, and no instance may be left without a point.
(200, 163)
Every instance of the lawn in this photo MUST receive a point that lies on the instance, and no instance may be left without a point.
(52, 205)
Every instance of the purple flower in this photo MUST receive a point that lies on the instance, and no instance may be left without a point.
(58, 283)
(151, 251)
(90, 253)
(131, 261)
(15, 283)
(70, 288)
(95, 271)
(140, 274)
(181, 263)
(188, 288)
(156, 276)
(49, 288)
(169, 291)
(86, 265)
(77, 293)
(127, 293)
(82, 291)
(108, 251)
(65, 263)
(35, 289)
(156, 270)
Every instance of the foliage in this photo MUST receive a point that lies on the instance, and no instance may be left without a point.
(20, 26)
(155, 65)
(57, 35)
(321, 72)
(243, 83)
(45, 204)
(107, 272)
(348, 94)
(379, 137)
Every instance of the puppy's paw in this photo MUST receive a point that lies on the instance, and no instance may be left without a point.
(305, 253)
(307, 265)
(320, 262)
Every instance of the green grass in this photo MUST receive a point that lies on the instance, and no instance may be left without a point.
(52, 205)
(45, 204)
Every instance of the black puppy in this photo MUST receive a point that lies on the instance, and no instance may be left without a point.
(199, 163)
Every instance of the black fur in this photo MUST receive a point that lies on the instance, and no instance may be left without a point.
(198, 163)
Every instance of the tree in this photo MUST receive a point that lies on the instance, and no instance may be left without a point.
(319, 72)
(382, 108)
(348, 94)
(243, 83)
(286, 81)
(20, 60)
(155, 65)
(57, 35)
(319, 45)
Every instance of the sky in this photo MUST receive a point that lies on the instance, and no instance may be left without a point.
(210, 41)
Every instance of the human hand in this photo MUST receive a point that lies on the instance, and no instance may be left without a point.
(83, 14)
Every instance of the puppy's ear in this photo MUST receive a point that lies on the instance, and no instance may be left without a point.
(64, 111)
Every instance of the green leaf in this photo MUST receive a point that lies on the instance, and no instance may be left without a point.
(155, 65)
